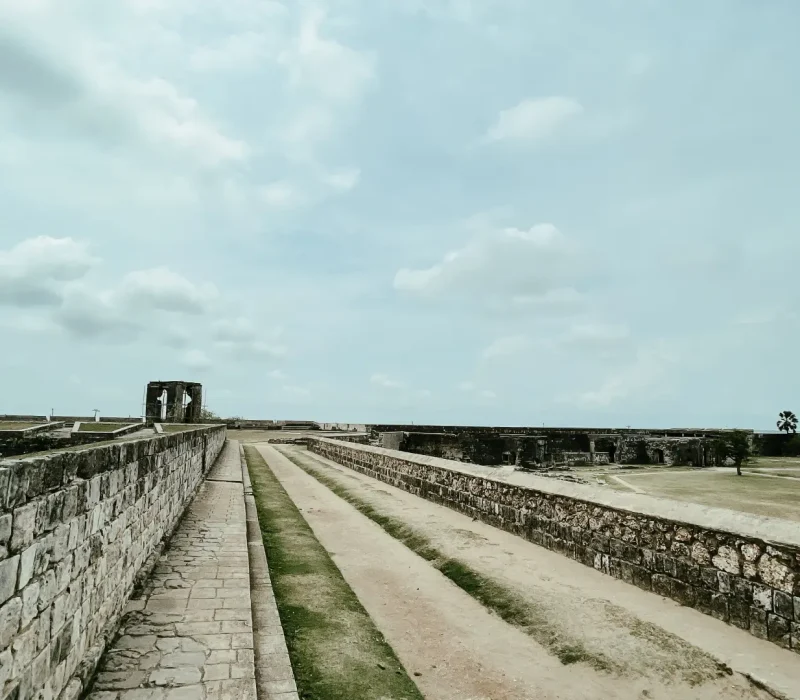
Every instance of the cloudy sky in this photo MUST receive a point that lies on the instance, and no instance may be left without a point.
(464, 211)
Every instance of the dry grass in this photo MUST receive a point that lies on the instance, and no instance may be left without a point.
(336, 651)
(753, 492)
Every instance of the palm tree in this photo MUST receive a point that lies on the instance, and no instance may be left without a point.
(787, 421)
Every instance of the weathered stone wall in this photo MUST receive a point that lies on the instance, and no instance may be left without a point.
(14, 443)
(76, 528)
(740, 568)
(777, 444)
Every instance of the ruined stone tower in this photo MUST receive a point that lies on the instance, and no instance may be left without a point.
(173, 402)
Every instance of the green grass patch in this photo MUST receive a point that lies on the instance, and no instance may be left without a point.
(179, 428)
(492, 594)
(337, 653)
(96, 427)
(16, 425)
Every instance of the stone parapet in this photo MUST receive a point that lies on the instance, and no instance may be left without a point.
(77, 527)
(740, 568)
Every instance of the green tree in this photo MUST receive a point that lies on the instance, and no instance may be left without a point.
(787, 421)
(207, 414)
(737, 446)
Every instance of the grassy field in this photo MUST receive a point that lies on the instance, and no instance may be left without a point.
(336, 651)
(94, 427)
(753, 492)
(16, 425)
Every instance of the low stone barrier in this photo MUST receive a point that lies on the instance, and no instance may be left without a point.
(740, 568)
(77, 527)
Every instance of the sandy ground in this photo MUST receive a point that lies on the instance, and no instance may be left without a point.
(465, 652)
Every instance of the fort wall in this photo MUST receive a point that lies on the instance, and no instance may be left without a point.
(78, 529)
(742, 569)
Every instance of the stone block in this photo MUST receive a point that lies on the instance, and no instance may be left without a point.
(688, 572)
(762, 597)
(703, 600)
(720, 607)
(782, 604)
(758, 622)
(683, 593)
(5, 529)
(6, 664)
(778, 629)
(742, 589)
(10, 617)
(22, 532)
(739, 613)
(9, 569)
(662, 585)
(708, 578)
(30, 603)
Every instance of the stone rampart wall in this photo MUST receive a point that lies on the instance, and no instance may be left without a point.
(740, 568)
(77, 528)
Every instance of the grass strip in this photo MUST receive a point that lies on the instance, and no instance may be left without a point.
(336, 651)
(97, 427)
(490, 593)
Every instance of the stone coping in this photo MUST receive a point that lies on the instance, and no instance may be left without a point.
(119, 432)
(767, 529)
(25, 477)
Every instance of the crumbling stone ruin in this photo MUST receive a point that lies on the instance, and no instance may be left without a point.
(546, 448)
(174, 402)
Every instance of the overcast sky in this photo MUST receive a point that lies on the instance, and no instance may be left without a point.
(506, 212)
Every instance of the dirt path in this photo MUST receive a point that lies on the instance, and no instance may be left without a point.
(432, 623)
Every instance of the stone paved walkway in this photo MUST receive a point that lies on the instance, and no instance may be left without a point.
(189, 636)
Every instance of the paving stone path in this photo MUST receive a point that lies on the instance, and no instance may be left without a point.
(189, 633)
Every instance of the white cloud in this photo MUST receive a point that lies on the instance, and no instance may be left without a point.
(499, 265)
(197, 360)
(281, 195)
(161, 289)
(642, 380)
(240, 337)
(328, 68)
(234, 329)
(90, 314)
(533, 119)
(474, 390)
(385, 381)
(34, 272)
(296, 392)
(232, 52)
(508, 345)
(563, 298)
(596, 333)
(91, 95)
(343, 180)
(277, 374)
(168, 118)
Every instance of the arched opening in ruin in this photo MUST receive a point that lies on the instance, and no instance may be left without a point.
(658, 456)
(612, 453)
(162, 408)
